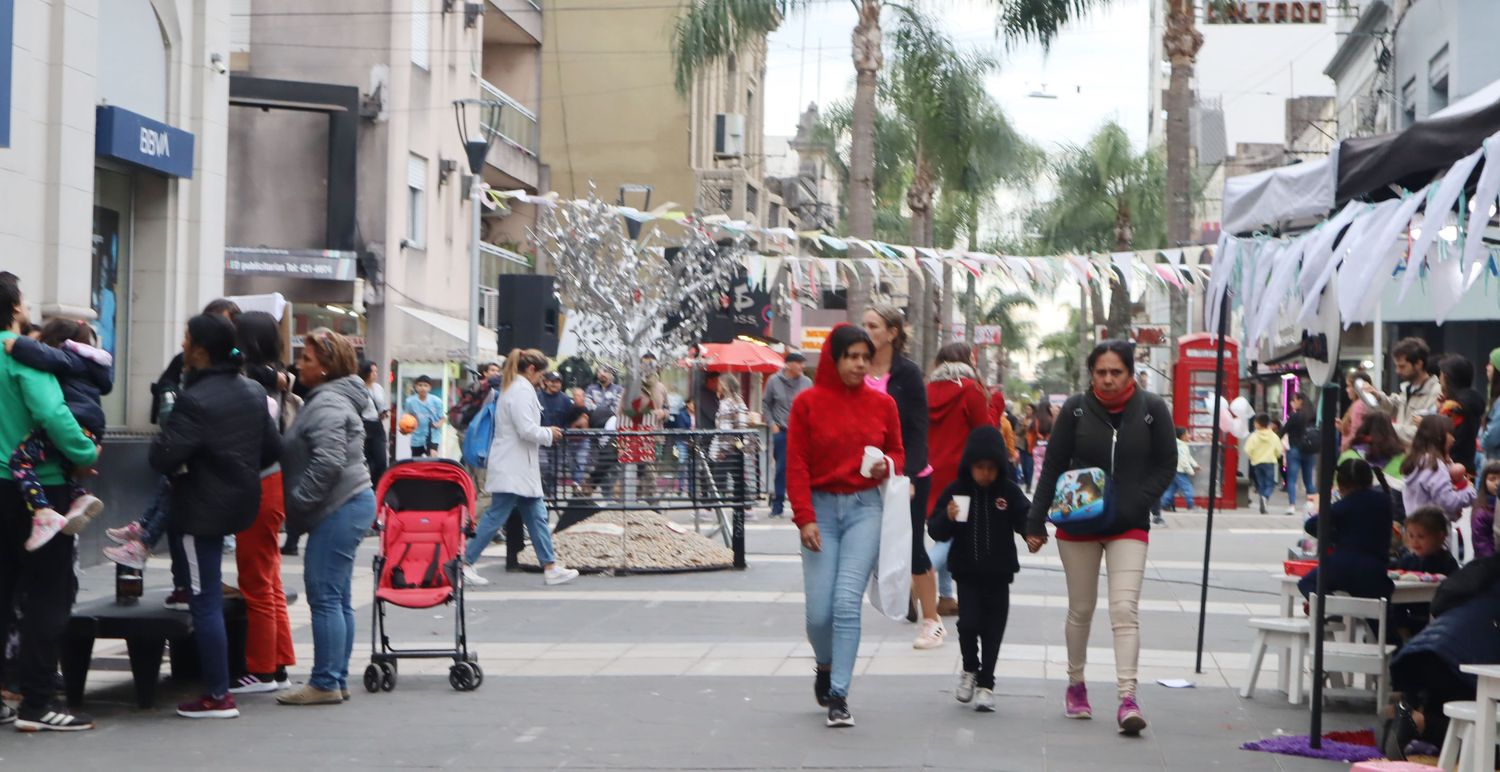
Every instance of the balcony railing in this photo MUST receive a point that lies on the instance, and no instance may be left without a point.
(517, 125)
(501, 258)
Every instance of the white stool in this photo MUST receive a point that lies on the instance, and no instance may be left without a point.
(1289, 637)
(1460, 715)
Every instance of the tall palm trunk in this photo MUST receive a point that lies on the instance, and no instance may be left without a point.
(868, 59)
(1118, 320)
(1181, 41)
(920, 312)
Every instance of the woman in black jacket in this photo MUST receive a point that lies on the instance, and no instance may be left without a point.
(214, 444)
(901, 378)
(1129, 435)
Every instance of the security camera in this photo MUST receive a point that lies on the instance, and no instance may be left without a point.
(217, 62)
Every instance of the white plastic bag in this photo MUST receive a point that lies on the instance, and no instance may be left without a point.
(890, 585)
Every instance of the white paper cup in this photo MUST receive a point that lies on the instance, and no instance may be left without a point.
(963, 508)
(873, 456)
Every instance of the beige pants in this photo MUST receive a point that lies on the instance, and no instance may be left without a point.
(1126, 560)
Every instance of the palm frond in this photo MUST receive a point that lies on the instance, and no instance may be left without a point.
(1040, 20)
(710, 30)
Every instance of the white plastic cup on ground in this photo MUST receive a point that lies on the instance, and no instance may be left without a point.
(873, 456)
(963, 508)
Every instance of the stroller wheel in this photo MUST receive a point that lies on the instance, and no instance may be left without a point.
(372, 678)
(478, 674)
(462, 677)
(387, 676)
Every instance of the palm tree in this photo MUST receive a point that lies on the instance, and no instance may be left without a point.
(1000, 309)
(711, 30)
(1108, 200)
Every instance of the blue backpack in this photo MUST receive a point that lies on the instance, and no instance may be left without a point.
(480, 434)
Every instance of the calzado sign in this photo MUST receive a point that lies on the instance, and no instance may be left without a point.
(1264, 12)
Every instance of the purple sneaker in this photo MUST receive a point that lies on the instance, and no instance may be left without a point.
(1077, 702)
(1130, 719)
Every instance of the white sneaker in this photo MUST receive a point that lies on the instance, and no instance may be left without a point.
(1291, 510)
(984, 700)
(931, 636)
(965, 690)
(471, 576)
(557, 574)
(45, 523)
(83, 509)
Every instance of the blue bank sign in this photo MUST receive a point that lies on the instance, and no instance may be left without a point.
(7, 34)
(135, 139)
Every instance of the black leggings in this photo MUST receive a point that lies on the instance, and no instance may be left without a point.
(983, 609)
(1428, 681)
(920, 563)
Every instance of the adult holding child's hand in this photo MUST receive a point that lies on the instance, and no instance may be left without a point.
(1126, 437)
(836, 505)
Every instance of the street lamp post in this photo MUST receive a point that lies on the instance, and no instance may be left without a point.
(478, 123)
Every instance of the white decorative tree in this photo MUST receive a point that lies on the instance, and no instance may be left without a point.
(628, 296)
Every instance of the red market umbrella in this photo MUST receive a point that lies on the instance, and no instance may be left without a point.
(740, 356)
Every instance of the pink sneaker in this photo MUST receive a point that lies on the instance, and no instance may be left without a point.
(45, 523)
(130, 554)
(1077, 702)
(1130, 719)
(126, 534)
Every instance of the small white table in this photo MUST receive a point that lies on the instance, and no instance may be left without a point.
(1481, 752)
(1407, 591)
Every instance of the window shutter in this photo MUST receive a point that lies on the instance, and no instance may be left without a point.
(416, 172)
(421, 31)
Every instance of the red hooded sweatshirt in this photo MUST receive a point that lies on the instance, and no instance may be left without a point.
(826, 437)
(955, 407)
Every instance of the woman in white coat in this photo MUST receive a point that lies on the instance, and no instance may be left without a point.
(513, 475)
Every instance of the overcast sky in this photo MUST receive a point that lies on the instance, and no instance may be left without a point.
(1098, 69)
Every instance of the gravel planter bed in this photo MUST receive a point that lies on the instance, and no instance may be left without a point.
(633, 542)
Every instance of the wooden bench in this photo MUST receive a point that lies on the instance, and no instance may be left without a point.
(147, 628)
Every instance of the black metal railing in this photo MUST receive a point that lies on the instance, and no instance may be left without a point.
(715, 475)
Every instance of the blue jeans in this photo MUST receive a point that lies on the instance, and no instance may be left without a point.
(778, 451)
(1182, 482)
(938, 554)
(1265, 479)
(1297, 463)
(328, 571)
(834, 578)
(537, 524)
(203, 557)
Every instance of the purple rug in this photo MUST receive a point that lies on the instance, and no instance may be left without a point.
(1297, 745)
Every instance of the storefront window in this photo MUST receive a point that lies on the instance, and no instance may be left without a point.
(109, 287)
(342, 319)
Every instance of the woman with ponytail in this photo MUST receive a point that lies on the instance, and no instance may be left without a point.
(513, 475)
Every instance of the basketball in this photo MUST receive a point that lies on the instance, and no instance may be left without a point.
(408, 423)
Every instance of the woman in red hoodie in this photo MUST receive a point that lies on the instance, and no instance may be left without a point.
(836, 507)
(955, 407)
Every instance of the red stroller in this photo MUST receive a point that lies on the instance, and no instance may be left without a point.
(424, 515)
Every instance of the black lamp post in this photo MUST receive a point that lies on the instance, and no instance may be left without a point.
(478, 124)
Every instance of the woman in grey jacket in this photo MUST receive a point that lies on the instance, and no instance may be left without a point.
(328, 497)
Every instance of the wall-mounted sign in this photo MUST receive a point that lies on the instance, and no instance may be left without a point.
(7, 33)
(1264, 12)
(322, 264)
(812, 339)
(984, 334)
(140, 141)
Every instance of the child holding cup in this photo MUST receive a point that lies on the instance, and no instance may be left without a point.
(978, 512)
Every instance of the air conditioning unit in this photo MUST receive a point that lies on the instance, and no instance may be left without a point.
(729, 135)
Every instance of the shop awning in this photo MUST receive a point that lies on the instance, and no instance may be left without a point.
(429, 336)
(1279, 197)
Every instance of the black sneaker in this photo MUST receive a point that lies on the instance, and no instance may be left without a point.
(821, 685)
(52, 718)
(838, 712)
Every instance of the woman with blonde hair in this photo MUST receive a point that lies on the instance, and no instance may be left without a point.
(513, 474)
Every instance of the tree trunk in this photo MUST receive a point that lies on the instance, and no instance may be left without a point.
(868, 59)
(1118, 320)
(919, 314)
(1181, 41)
(1090, 306)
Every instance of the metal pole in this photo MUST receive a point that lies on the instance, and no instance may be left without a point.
(1215, 469)
(474, 207)
(1326, 462)
(737, 539)
(1378, 355)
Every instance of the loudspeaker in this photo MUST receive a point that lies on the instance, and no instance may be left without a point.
(528, 313)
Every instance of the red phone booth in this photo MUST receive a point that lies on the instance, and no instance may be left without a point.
(1192, 388)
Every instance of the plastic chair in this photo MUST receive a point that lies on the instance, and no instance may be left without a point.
(1369, 657)
(1290, 639)
(1461, 715)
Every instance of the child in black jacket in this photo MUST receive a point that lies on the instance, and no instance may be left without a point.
(983, 556)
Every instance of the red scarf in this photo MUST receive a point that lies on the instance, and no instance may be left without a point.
(1116, 404)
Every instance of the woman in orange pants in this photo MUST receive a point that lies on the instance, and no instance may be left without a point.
(268, 633)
